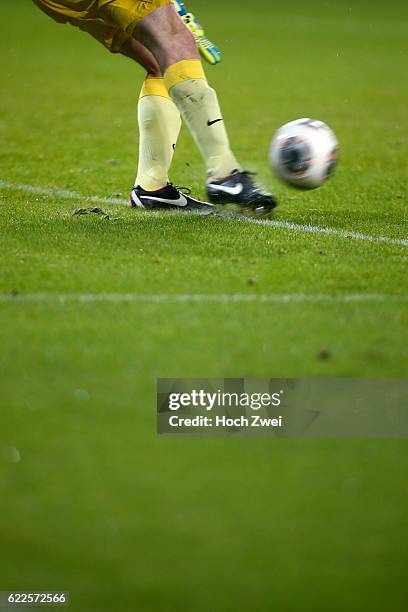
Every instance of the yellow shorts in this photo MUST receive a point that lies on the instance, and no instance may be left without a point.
(109, 21)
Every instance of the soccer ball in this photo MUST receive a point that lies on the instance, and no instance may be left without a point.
(304, 153)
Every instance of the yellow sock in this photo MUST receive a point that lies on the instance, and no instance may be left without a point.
(159, 128)
(199, 107)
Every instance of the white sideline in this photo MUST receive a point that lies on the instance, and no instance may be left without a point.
(201, 298)
(297, 227)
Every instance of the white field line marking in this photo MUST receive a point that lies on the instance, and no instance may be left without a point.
(62, 193)
(287, 225)
(201, 298)
(328, 231)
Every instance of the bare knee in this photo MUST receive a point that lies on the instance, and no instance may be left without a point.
(140, 54)
(167, 37)
(181, 46)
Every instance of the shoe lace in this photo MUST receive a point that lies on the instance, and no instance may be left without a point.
(185, 190)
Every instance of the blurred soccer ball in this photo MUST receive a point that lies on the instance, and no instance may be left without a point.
(304, 153)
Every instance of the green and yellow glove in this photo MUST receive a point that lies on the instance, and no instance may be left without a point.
(208, 50)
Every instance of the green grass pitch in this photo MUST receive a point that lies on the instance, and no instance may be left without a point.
(97, 504)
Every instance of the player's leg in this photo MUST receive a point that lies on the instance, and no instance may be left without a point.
(159, 121)
(158, 118)
(159, 128)
(141, 55)
(174, 47)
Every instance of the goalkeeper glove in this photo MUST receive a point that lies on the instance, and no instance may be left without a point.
(208, 50)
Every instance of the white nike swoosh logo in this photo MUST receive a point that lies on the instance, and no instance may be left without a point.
(181, 201)
(230, 190)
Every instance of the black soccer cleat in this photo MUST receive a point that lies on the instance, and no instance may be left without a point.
(169, 198)
(240, 188)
